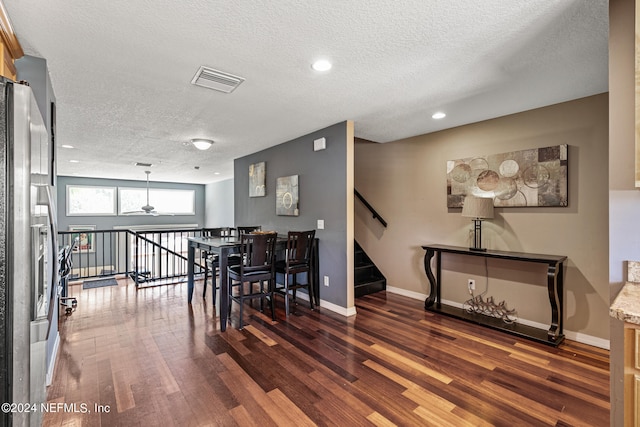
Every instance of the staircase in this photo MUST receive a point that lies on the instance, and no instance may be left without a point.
(368, 279)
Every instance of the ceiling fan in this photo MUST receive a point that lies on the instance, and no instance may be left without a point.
(147, 209)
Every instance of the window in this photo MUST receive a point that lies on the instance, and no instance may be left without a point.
(176, 202)
(83, 200)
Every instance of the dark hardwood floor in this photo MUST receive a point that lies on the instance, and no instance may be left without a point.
(150, 359)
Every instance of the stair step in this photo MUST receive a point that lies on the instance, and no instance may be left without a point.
(368, 279)
(369, 287)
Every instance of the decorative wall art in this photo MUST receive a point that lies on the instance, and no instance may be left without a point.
(287, 196)
(84, 237)
(534, 177)
(257, 173)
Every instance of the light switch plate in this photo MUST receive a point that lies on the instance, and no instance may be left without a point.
(320, 224)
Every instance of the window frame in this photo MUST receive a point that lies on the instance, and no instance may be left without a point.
(114, 209)
(192, 192)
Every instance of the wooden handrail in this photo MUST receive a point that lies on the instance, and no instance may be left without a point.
(376, 215)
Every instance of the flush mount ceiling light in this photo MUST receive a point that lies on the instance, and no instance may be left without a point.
(202, 144)
(438, 115)
(321, 65)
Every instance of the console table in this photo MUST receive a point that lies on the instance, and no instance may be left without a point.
(554, 336)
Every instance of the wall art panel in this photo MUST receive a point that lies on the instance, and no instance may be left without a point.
(257, 175)
(287, 196)
(534, 177)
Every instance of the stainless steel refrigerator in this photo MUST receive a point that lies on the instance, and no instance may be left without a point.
(28, 255)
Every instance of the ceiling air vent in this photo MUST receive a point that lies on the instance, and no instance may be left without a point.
(216, 80)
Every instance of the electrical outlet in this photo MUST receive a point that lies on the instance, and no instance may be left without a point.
(326, 280)
(471, 284)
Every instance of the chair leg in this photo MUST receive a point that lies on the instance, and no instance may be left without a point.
(206, 271)
(230, 299)
(271, 297)
(286, 294)
(295, 288)
(241, 303)
(213, 287)
(310, 290)
(262, 299)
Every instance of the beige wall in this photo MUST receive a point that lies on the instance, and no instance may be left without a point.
(624, 199)
(406, 182)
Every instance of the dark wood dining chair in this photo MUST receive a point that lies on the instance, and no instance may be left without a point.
(257, 254)
(248, 229)
(297, 261)
(211, 260)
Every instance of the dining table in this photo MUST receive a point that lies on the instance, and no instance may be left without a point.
(223, 247)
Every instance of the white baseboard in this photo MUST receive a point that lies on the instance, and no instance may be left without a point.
(406, 293)
(347, 312)
(344, 311)
(54, 358)
(574, 336)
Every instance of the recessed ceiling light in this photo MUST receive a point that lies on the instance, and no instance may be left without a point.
(321, 65)
(67, 146)
(438, 115)
(74, 161)
(216, 173)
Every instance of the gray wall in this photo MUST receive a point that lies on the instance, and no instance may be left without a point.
(219, 204)
(322, 192)
(108, 222)
(34, 70)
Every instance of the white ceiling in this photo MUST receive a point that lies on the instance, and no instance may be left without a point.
(121, 72)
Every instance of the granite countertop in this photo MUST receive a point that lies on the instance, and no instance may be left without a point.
(626, 306)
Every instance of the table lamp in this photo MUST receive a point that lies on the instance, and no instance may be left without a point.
(478, 208)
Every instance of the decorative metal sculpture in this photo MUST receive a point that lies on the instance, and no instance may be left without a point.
(478, 305)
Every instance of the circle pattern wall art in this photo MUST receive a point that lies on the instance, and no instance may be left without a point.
(534, 177)
(287, 196)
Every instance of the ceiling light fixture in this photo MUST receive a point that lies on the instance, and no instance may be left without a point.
(321, 65)
(202, 144)
(438, 115)
(67, 146)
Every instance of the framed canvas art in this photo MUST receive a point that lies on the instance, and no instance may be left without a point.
(257, 174)
(287, 196)
(84, 237)
(534, 177)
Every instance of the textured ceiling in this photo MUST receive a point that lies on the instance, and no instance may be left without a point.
(121, 72)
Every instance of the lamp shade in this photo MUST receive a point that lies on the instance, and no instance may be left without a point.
(477, 207)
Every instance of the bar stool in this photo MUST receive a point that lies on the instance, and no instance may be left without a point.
(297, 260)
(257, 254)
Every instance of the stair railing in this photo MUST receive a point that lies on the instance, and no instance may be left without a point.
(376, 215)
(152, 257)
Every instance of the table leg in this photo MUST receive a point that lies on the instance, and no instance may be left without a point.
(224, 289)
(554, 288)
(190, 260)
(432, 281)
